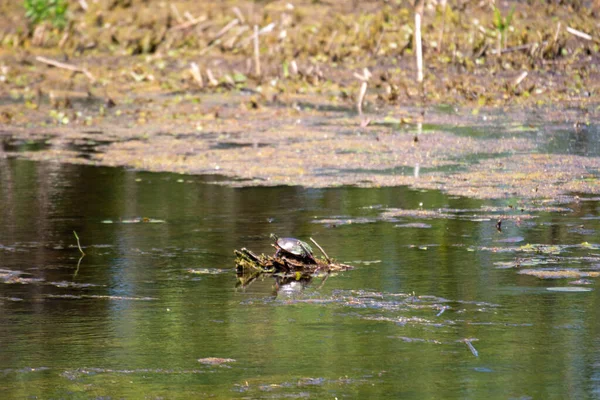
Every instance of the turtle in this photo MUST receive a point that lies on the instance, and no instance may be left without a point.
(293, 246)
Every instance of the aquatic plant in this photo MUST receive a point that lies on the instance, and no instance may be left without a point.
(501, 24)
(54, 11)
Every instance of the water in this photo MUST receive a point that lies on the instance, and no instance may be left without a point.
(435, 307)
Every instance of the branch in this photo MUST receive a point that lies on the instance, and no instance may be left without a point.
(322, 251)
(69, 67)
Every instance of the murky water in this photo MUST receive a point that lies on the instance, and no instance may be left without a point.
(441, 303)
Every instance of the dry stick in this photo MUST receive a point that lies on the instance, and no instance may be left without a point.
(230, 43)
(225, 29)
(188, 24)
(364, 78)
(211, 79)
(239, 14)
(176, 13)
(189, 16)
(266, 29)
(330, 42)
(69, 67)
(518, 48)
(520, 78)
(442, 28)
(215, 40)
(294, 67)
(580, 34)
(324, 280)
(256, 52)
(322, 251)
(419, 47)
(557, 33)
(196, 74)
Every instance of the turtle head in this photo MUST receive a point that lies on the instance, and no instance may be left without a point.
(273, 236)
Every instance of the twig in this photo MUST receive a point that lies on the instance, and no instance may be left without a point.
(517, 48)
(556, 34)
(188, 24)
(239, 14)
(330, 42)
(211, 79)
(176, 13)
(195, 71)
(443, 27)
(256, 51)
(78, 264)
(419, 46)
(294, 67)
(69, 67)
(266, 29)
(324, 280)
(471, 347)
(78, 244)
(580, 34)
(366, 75)
(322, 251)
(225, 29)
(520, 78)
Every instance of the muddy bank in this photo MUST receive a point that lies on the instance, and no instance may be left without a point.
(502, 112)
(484, 157)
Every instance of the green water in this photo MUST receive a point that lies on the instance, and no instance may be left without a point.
(150, 299)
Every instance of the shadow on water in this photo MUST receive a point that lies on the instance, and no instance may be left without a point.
(441, 291)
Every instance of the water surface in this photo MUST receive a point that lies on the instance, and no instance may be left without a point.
(437, 306)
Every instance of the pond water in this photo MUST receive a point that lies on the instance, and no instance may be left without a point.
(441, 303)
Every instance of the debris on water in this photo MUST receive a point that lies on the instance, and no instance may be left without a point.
(366, 262)
(419, 225)
(559, 273)
(572, 289)
(134, 221)
(514, 239)
(291, 256)
(333, 222)
(207, 271)
(416, 340)
(542, 248)
(215, 360)
(582, 281)
(94, 296)
(2, 298)
(471, 347)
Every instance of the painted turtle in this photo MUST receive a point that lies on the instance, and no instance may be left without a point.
(293, 246)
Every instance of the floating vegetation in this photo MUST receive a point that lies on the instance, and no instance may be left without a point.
(215, 361)
(75, 374)
(569, 289)
(418, 225)
(559, 273)
(101, 297)
(137, 220)
(333, 222)
(207, 271)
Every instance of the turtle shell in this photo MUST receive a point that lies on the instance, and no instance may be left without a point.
(294, 246)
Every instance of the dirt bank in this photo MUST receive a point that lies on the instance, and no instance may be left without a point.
(117, 87)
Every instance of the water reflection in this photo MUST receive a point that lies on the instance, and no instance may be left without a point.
(151, 299)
